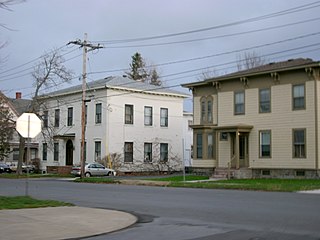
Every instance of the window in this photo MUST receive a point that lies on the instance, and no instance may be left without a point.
(239, 103)
(163, 152)
(298, 97)
(265, 172)
(97, 151)
(164, 117)
(203, 110)
(128, 152)
(300, 173)
(148, 116)
(209, 111)
(56, 151)
(57, 117)
(15, 154)
(265, 144)
(299, 142)
(206, 109)
(44, 151)
(70, 116)
(199, 145)
(98, 113)
(210, 146)
(148, 152)
(264, 101)
(128, 115)
(45, 119)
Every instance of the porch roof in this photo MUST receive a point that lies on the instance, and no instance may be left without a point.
(235, 128)
(65, 136)
(227, 128)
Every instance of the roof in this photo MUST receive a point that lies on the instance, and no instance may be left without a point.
(119, 82)
(20, 105)
(291, 64)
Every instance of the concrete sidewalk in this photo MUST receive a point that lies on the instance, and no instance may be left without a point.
(61, 222)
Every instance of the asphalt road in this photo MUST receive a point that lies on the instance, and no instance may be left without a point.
(178, 213)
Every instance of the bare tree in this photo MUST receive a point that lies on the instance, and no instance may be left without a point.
(5, 4)
(249, 60)
(207, 74)
(50, 71)
(158, 164)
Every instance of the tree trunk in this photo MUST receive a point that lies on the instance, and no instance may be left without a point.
(21, 155)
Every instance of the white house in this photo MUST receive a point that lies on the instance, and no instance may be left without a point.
(136, 126)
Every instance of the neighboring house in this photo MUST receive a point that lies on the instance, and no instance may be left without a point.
(18, 106)
(187, 139)
(135, 125)
(262, 122)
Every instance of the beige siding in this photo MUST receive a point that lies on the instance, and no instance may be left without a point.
(215, 109)
(224, 152)
(204, 163)
(196, 110)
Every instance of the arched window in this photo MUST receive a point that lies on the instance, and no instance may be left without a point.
(203, 109)
(206, 109)
(209, 109)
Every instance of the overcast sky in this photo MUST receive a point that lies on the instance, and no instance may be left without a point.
(38, 26)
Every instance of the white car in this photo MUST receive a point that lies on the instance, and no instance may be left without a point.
(93, 169)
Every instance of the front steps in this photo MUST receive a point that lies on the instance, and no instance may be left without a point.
(241, 173)
(222, 173)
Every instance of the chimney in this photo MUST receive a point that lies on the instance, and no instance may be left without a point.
(18, 95)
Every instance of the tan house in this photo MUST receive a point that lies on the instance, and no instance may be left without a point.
(261, 122)
(17, 106)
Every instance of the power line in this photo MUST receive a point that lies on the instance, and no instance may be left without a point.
(217, 54)
(248, 20)
(216, 37)
(31, 61)
(227, 63)
(291, 10)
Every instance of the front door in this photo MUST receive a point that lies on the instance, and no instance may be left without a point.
(243, 150)
(243, 146)
(69, 153)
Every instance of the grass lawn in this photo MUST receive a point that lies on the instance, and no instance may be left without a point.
(28, 202)
(278, 185)
(33, 175)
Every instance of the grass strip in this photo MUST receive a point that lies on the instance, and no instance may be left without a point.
(28, 202)
(96, 180)
(275, 185)
(179, 178)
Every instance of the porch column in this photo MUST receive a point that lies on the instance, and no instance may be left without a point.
(237, 150)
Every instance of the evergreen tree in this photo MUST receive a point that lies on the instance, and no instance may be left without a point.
(139, 71)
(138, 68)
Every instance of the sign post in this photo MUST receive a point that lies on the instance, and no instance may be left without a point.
(29, 126)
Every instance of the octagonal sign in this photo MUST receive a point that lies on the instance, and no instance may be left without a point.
(28, 125)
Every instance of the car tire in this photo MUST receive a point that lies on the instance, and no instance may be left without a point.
(87, 174)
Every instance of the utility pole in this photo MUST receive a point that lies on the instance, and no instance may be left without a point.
(86, 48)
